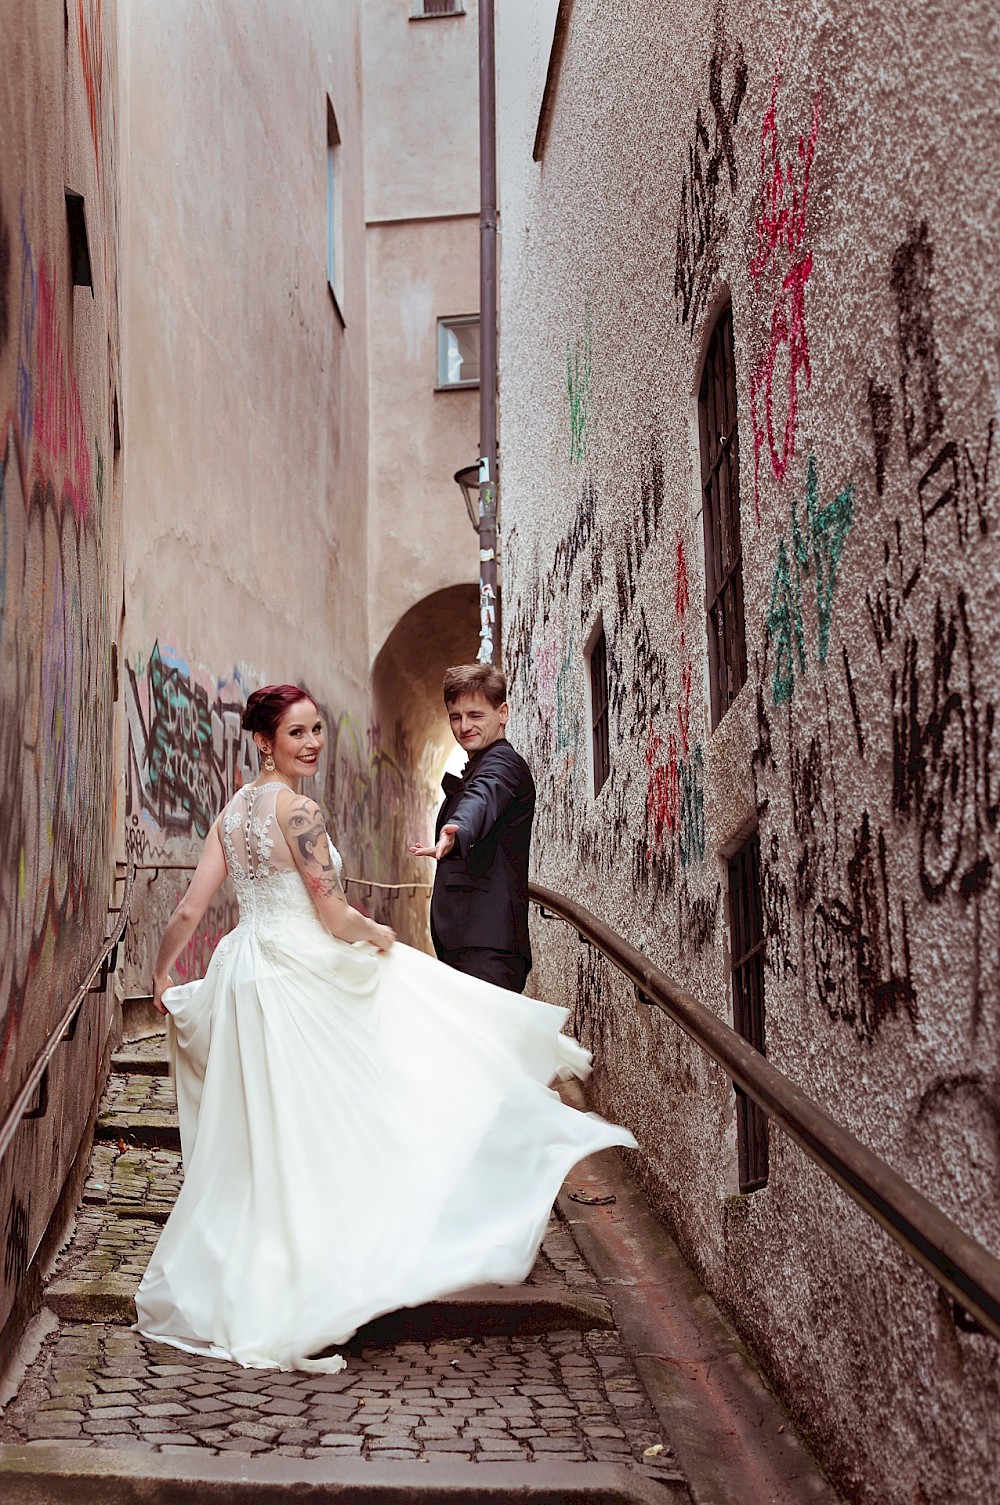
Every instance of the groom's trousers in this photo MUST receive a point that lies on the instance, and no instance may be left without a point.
(506, 969)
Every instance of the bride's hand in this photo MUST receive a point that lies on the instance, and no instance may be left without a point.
(382, 937)
(160, 985)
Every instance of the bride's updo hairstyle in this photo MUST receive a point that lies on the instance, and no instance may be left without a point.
(265, 708)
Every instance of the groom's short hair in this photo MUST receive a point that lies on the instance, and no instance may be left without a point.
(475, 679)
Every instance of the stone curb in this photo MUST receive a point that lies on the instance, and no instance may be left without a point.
(731, 1436)
(52, 1475)
(487, 1311)
(153, 1131)
(123, 1064)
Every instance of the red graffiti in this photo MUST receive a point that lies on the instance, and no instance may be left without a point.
(92, 62)
(788, 329)
(784, 186)
(663, 791)
(780, 229)
(59, 427)
(684, 703)
(682, 591)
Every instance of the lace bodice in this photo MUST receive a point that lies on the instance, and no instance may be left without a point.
(269, 887)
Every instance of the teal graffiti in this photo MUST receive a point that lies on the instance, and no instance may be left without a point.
(578, 373)
(691, 835)
(816, 550)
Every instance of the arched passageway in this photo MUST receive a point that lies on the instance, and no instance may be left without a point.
(440, 630)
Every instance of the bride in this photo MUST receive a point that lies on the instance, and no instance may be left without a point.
(362, 1127)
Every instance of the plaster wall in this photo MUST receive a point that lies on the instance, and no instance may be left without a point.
(835, 177)
(421, 112)
(421, 199)
(60, 592)
(421, 540)
(246, 487)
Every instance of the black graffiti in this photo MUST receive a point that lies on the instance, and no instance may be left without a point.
(16, 1236)
(880, 408)
(912, 270)
(852, 696)
(635, 545)
(776, 914)
(697, 919)
(886, 606)
(702, 220)
(861, 960)
(943, 758)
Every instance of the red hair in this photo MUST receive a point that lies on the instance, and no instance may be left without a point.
(266, 708)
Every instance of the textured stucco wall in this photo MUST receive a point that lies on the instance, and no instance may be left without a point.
(834, 174)
(421, 202)
(246, 487)
(60, 586)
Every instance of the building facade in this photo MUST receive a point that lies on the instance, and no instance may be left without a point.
(750, 506)
(60, 597)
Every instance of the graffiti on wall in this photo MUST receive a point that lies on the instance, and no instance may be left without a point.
(846, 894)
(708, 183)
(781, 256)
(55, 659)
(579, 371)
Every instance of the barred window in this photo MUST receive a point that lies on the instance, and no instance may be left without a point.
(720, 484)
(746, 939)
(599, 710)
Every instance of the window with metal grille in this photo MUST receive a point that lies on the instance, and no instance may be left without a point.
(438, 8)
(746, 939)
(599, 710)
(720, 484)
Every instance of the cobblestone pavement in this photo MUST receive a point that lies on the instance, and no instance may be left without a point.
(565, 1395)
(132, 1177)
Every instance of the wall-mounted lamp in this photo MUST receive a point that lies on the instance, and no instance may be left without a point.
(468, 480)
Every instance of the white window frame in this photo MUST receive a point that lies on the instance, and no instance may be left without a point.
(452, 321)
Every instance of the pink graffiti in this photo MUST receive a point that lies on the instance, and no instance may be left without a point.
(663, 790)
(682, 590)
(59, 427)
(92, 62)
(784, 186)
(780, 229)
(788, 331)
(684, 702)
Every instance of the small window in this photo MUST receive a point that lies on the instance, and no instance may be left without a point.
(599, 710)
(334, 212)
(746, 939)
(425, 10)
(720, 484)
(79, 246)
(458, 352)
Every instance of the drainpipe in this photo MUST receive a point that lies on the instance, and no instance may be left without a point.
(488, 645)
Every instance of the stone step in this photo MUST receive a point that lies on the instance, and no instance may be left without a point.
(151, 1130)
(50, 1475)
(484, 1312)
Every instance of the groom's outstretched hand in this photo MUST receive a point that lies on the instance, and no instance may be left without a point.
(445, 842)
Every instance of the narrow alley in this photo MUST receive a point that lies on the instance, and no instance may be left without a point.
(500, 641)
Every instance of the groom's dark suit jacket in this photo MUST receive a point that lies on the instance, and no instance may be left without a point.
(481, 888)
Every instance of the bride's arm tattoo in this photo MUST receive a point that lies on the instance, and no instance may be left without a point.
(307, 834)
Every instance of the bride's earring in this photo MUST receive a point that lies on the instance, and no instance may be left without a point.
(269, 763)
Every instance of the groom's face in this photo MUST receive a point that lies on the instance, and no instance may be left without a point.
(475, 723)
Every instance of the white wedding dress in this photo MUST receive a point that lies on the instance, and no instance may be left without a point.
(360, 1132)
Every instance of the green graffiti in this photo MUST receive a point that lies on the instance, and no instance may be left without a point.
(784, 627)
(817, 550)
(578, 372)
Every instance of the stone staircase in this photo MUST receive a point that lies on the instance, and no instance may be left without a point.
(526, 1393)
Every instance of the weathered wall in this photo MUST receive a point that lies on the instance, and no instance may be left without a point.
(247, 479)
(849, 210)
(421, 204)
(60, 584)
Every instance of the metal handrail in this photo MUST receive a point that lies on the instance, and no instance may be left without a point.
(961, 1266)
(36, 1073)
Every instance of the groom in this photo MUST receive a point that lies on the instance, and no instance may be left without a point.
(479, 907)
